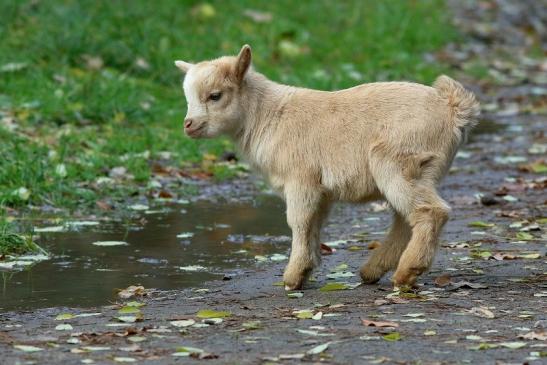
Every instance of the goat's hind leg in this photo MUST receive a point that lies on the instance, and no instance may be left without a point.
(427, 220)
(386, 257)
(407, 182)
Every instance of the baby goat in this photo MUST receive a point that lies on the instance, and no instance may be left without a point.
(387, 140)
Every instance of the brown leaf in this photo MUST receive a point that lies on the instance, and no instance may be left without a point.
(541, 336)
(503, 256)
(132, 291)
(368, 323)
(326, 250)
(443, 280)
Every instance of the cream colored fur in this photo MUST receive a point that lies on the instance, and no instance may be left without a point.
(388, 140)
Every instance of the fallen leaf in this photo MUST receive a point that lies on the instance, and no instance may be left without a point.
(27, 348)
(367, 322)
(295, 295)
(303, 314)
(513, 345)
(64, 316)
(480, 224)
(530, 256)
(208, 313)
(334, 287)
(64, 327)
(130, 319)
(318, 349)
(524, 236)
(124, 359)
(481, 312)
(252, 325)
(503, 256)
(326, 250)
(443, 280)
(537, 335)
(393, 336)
(183, 323)
(187, 351)
(341, 274)
(132, 291)
(128, 310)
(110, 243)
(193, 268)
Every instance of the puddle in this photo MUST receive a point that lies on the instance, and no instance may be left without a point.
(82, 274)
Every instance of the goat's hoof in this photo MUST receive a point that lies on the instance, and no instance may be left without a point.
(406, 277)
(295, 279)
(371, 274)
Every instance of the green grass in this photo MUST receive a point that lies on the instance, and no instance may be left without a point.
(90, 85)
(12, 243)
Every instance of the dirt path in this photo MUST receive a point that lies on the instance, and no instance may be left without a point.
(483, 302)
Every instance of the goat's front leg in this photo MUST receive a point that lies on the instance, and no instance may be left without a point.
(306, 209)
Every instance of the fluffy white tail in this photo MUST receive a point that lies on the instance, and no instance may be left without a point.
(463, 102)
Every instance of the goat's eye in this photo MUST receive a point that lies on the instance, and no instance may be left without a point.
(215, 96)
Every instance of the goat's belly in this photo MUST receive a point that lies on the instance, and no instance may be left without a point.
(357, 187)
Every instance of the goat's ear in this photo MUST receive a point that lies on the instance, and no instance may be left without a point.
(243, 62)
(183, 66)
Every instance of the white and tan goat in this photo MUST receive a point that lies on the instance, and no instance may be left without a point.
(388, 140)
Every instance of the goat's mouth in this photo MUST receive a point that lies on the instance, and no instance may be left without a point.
(195, 132)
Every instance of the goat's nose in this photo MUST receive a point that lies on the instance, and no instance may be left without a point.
(188, 122)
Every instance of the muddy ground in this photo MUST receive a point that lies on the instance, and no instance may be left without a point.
(483, 302)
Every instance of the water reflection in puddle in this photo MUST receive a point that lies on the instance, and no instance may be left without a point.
(218, 237)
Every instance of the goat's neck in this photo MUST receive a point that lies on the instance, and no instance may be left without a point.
(264, 101)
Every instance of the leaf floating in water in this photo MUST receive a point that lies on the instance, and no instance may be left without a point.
(208, 313)
(51, 229)
(185, 235)
(193, 268)
(82, 223)
(110, 243)
(132, 291)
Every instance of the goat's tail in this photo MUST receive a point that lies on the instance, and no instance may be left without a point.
(465, 106)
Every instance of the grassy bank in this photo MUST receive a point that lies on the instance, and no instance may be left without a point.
(88, 89)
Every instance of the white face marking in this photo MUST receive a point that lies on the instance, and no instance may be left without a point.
(196, 108)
